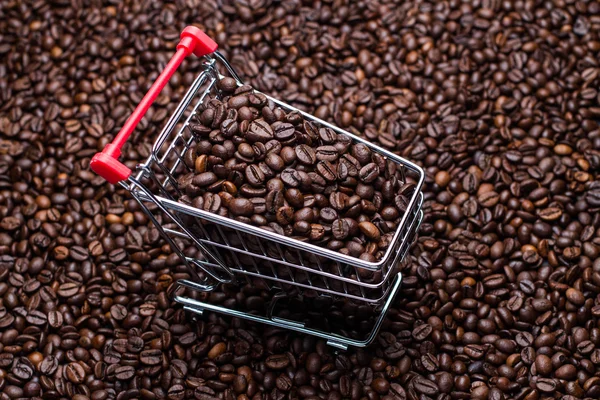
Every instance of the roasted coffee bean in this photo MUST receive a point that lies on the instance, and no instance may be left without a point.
(227, 84)
(75, 373)
(291, 177)
(317, 232)
(284, 131)
(368, 173)
(327, 153)
(275, 162)
(546, 385)
(205, 179)
(422, 331)
(255, 176)
(277, 362)
(285, 215)
(237, 102)
(339, 201)
(201, 163)
(242, 207)
(124, 372)
(425, 386)
(370, 230)
(340, 229)
(305, 154)
(284, 383)
(327, 135)
(259, 131)
(274, 201)
(118, 312)
(22, 369)
(397, 391)
(327, 171)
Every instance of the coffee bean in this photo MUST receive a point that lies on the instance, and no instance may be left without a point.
(238, 102)
(205, 179)
(284, 131)
(397, 391)
(370, 230)
(6, 359)
(546, 385)
(528, 355)
(22, 368)
(291, 177)
(362, 153)
(543, 364)
(150, 357)
(277, 362)
(339, 201)
(421, 332)
(124, 372)
(176, 392)
(55, 319)
(474, 351)
(227, 84)
(68, 289)
(285, 215)
(283, 383)
(327, 171)
(75, 373)
(6, 320)
(241, 207)
(36, 318)
(118, 312)
(368, 173)
(575, 296)
(327, 153)
(306, 154)
(217, 350)
(425, 386)
(327, 135)
(340, 229)
(567, 372)
(550, 214)
(259, 131)
(275, 162)
(313, 363)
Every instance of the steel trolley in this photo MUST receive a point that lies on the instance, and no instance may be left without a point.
(220, 251)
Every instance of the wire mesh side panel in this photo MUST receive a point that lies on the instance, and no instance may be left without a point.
(254, 261)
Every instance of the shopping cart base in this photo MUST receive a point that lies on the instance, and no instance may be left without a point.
(333, 340)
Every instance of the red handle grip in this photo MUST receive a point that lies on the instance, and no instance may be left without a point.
(106, 163)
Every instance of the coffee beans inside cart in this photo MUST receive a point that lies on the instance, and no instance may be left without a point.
(253, 162)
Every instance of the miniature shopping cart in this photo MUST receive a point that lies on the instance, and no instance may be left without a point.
(220, 251)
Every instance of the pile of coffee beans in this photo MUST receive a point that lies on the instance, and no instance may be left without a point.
(497, 100)
(260, 165)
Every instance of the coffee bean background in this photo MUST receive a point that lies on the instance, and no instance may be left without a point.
(498, 101)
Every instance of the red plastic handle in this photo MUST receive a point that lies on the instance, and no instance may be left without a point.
(106, 163)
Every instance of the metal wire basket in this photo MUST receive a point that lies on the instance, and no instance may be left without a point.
(218, 250)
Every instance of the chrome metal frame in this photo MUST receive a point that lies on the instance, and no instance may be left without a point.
(232, 250)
